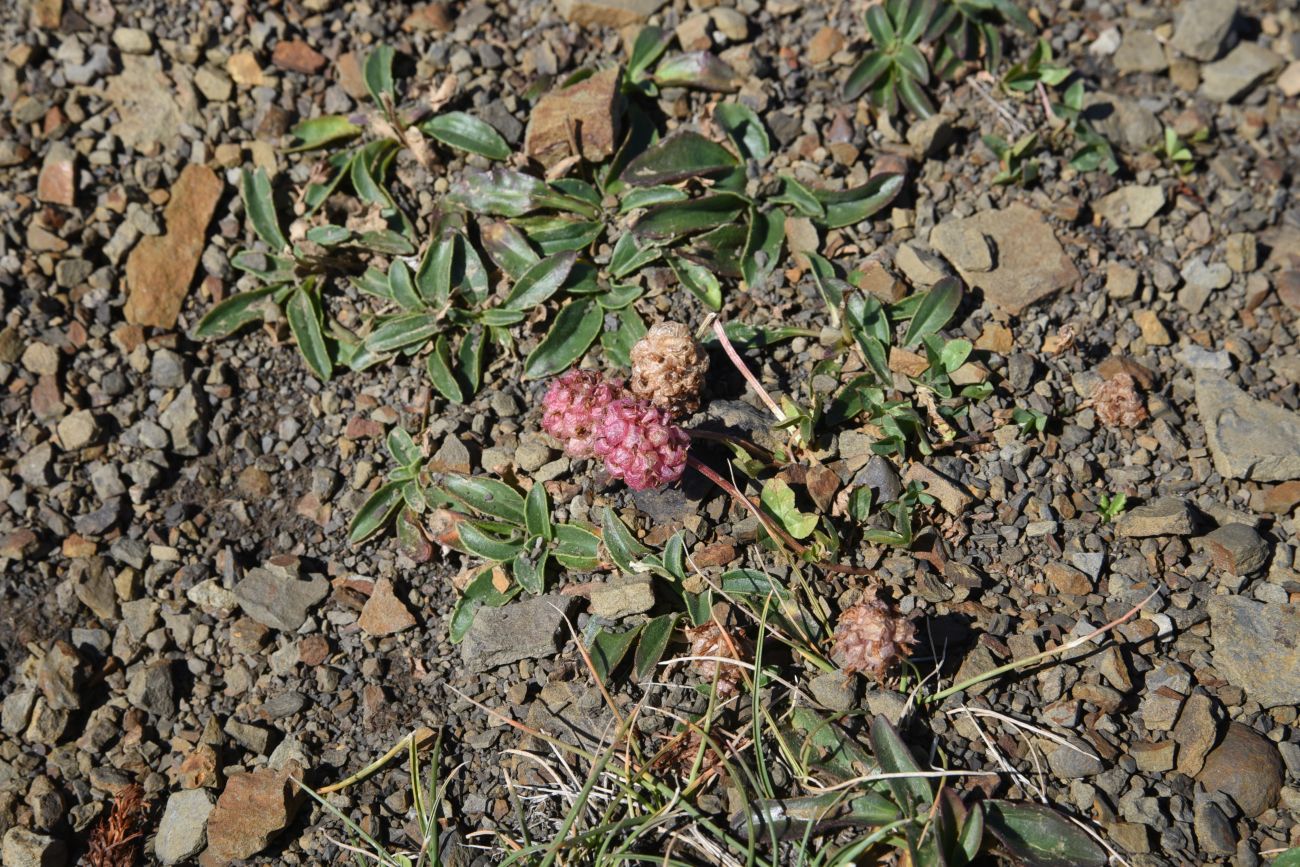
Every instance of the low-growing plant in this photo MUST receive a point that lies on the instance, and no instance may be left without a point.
(1111, 506)
(1015, 161)
(1179, 153)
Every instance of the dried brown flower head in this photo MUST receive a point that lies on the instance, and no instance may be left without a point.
(711, 640)
(870, 637)
(668, 369)
(115, 840)
(1118, 404)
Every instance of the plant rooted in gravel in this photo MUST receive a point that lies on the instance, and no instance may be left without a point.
(640, 444)
(574, 406)
(668, 369)
(1118, 404)
(870, 637)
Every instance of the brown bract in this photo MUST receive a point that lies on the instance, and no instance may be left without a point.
(1118, 404)
(668, 369)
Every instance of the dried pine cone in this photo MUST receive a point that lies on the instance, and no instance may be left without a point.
(708, 639)
(1118, 404)
(573, 407)
(871, 636)
(668, 369)
(640, 444)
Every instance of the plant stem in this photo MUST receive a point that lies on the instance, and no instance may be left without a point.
(740, 442)
(770, 525)
(745, 371)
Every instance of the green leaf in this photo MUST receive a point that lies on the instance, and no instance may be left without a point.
(386, 241)
(560, 233)
(577, 547)
(402, 287)
(751, 582)
(649, 46)
(910, 92)
(507, 193)
(328, 235)
(530, 572)
(259, 204)
(1040, 836)
(954, 354)
(378, 73)
(466, 132)
(537, 512)
(486, 545)
(540, 282)
(867, 71)
(317, 132)
(683, 155)
(742, 126)
(913, 794)
(607, 650)
(403, 448)
(654, 641)
(675, 556)
(375, 513)
(699, 69)
(847, 207)
(762, 254)
(871, 330)
(624, 549)
(618, 343)
(667, 222)
(508, 248)
(934, 311)
(971, 837)
(433, 279)
(646, 197)
(481, 593)
(699, 281)
(879, 26)
(440, 372)
(233, 314)
(629, 257)
(574, 330)
(1289, 858)
(778, 501)
(803, 199)
(305, 322)
(699, 607)
(469, 358)
(403, 330)
(486, 496)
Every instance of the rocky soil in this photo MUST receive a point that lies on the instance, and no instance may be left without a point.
(181, 609)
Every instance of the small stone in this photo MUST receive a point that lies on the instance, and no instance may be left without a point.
(825, 44)
(834, 690)
(152, 689)
(1067, 580)
(297, 56)
(1246, 766)
(1127, 123)
(251, 737)
(78, 430)
(952, 498)
(429, 18)
(1237, 74)
(919, 266)
(1130, 207)
(184, 419)
(1164, 516)
(1196, 732)
(1121, 281)
(963, 245)
(1241, 252)
(1236, 549)
(1208, 278)
(1276, 499)
(1213, 830)
(621, 598)
(1074, 760)
(1289, 81)
(451, 457)
(585, 114)
(1153, 758)
(607, 13)
(252, 809)
(1202, 26)
(1255, 648)
(1153, 330)
(730, 23)
(216, 86)
(57, 183)
(41, 359)
(1140, 51)
(24, 848)
(279, 600)
(149, 113)
(930, 137)
(384, 613)
(1248, 438)
(132, 40)
(244, 69)
(161, 267)
(182, 830)
(530, 629)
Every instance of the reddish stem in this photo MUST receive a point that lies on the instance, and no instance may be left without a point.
(770, 525)
(745, 371)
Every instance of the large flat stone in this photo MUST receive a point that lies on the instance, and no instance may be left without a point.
(607, 13)
(1029, 264)
(1249, 438)
(585, 114)
(1257, 647)
(521, 630)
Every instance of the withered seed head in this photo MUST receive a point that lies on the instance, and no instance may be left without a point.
(668, 369)
(871, 636)
(1118, 404)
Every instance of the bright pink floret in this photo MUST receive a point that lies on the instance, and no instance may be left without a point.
(573, 407)
(640, 444)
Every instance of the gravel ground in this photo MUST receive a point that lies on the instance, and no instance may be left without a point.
(180, 602)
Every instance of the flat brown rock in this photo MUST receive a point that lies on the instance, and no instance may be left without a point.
(585, 114)
(1029, 264)
(297, 56)
(161, 268)
(148, 111)
(385, 614)
(58, 180)
(607, 13)
(252, 809)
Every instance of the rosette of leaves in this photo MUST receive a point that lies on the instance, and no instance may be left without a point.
(895, 71)
(966, 31)
(389, 126)
(928, 827)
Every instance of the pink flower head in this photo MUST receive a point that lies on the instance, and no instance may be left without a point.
(573, 407)
(640, 444)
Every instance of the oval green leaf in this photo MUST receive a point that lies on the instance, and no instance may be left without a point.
(573, 331)
(466, 132)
